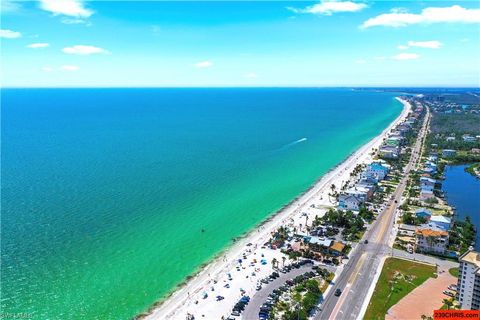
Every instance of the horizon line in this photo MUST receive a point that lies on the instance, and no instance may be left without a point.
(247, 87)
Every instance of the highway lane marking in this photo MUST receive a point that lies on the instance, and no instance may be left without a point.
(347, 290)
(377, 233)
(355, 273)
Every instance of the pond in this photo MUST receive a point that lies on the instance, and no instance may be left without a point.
(462, 191)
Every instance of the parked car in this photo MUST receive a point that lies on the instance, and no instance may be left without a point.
(338, 292)
(263, 315)
(453, 287)
(448, 293)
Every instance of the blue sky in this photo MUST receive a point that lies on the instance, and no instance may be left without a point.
(72, 43)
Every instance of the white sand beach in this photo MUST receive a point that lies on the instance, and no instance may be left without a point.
(191, 297)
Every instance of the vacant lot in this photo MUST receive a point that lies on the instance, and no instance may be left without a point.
(455, 123)
(397, 279)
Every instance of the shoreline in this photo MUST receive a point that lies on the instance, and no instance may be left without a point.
(179, 301)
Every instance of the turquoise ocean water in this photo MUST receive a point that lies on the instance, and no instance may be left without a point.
(105, 192)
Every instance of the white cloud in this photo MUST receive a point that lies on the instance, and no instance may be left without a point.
(9, 34)
(464, 40)
(402, 47)
(328, 7)
(38, 45)
(360, 61)
(251, 75)
(72, 8)
(434, 44)
(203, 64)
(453, 14)
(84, 50)
(69, 68)
(406, 56)
(47, 69)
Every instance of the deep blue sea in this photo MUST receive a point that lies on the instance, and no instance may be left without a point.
(105, 192)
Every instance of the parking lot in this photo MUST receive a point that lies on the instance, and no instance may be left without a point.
(253, 308)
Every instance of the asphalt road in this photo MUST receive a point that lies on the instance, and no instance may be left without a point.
(252, 309)
(359, 273)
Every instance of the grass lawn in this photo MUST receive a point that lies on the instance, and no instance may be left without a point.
(453, 272)
(397, 279)
(327, 282)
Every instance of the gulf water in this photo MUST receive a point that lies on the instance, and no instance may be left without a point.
(105, 192)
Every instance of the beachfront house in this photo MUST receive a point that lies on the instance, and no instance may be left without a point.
(448, 153)
(349, 202)
(362, 193)
(423, 213)
(431, 239)
(393, 141)
(367, 186)
(375, 170)
(389, 152)
(441, 222)
(397, 133)
(403, 127)
(368, 181)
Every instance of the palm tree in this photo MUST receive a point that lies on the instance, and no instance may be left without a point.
(448, 303)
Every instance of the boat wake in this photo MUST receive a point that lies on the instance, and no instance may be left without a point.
(292, 144)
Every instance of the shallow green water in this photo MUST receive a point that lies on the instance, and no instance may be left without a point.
(105, 192)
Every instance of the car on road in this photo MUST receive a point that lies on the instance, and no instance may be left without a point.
(338, 292)
(366, 241)
(219, 298)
